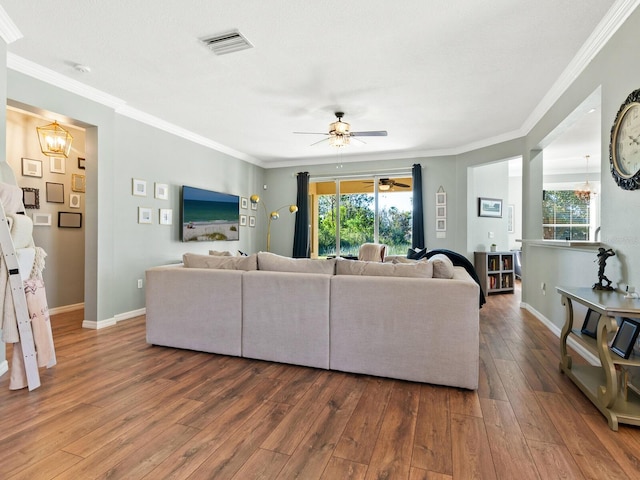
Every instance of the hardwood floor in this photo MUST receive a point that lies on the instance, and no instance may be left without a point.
(115, 407)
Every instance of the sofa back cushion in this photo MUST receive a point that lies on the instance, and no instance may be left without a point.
(356, 267)
(278, 263)
(194, 260)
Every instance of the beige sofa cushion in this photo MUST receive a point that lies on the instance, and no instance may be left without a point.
(194, 260)
(442, 266)
(356, 267)
(278, 263)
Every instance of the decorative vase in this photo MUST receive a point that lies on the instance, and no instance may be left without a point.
(493, 248)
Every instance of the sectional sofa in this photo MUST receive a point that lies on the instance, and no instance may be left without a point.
(386, 319)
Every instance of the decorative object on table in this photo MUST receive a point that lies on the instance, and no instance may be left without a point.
(162, 191)
(274, 215)
(139, 187)
(624, 147)
(144, 215)
(81, 163)
(78, 183)
(602, 256)
(55, 192)
(31, 168)
(54, 140)
(166, 216)
(625, 338)
(493, 247)
(590, 325)
(489, 207)
(69, 220)
(31, 197)
(57, 165)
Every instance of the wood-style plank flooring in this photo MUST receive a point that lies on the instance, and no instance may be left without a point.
(115, 407)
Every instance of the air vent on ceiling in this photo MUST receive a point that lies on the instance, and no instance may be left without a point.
(228, 42)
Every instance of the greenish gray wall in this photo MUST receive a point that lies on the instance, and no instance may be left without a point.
(6, 174)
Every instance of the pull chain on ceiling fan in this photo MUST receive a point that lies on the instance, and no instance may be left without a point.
(340, 133)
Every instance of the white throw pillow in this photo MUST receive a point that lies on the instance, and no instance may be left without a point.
(442, 266)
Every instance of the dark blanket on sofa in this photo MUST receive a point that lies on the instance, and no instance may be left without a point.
(460, 261)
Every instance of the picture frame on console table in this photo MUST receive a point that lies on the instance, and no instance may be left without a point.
(590, 325)
(625, 338)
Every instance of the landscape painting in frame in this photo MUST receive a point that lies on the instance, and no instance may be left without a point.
(207, 216)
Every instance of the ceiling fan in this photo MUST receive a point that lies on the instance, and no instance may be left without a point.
(340, 133)
(385, 184)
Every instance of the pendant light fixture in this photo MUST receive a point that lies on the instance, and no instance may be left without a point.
(55, 141)
(584, 191)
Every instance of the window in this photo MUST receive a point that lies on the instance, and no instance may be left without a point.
(565, 216)
(349, 212)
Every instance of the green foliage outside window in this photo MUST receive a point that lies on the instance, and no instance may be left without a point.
(565, 216)
(357, 220)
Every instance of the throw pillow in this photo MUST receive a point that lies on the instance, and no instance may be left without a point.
(416, 253)
(218, 253)
(278, 263)
(377, 269)
(442, 266)
(193, 260)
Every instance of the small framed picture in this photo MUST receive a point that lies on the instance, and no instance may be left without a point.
(625, 338)
(252, 221)
(254, 206)
(139, 187)
(31, 197)
(166, 216)
(162, 191)
(441, 224)
(57, 164)
(243, 220)
(144, 215)
(244, 203)
(81, 163)
(74, 200)
(441, 211)
(489, 207)
(55, 192)
(42, 219)
(69, 220)
(441, 198)
(590, 325)
(31, 168)
(78, 183)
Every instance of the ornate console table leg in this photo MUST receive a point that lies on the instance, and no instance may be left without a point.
(608, 393)
(565, 358)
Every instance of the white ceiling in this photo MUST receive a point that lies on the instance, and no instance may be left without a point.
(440, 77)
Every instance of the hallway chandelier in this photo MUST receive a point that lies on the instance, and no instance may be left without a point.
(54, 140)
(584, 191)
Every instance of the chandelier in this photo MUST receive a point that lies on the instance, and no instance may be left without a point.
(584, 191)
(55, 141)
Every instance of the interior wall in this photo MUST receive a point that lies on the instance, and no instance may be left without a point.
(64, 271)
(515, 199)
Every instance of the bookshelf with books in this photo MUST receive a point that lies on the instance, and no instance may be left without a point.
(495, 271)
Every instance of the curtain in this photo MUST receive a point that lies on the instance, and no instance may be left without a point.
(301, 233)
(417, 219)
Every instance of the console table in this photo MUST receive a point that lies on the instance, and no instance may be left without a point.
(601, 383)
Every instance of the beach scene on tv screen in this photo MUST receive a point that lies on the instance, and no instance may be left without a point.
(209, 216)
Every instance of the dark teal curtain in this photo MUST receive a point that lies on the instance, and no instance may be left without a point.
(417, 220)
(301, 247)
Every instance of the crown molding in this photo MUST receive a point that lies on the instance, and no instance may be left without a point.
(603, 32)
(32, 69)
(8, 30)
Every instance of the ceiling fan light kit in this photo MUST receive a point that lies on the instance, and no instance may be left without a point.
(340, 133)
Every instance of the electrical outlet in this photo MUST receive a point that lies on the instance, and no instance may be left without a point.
(139, 283)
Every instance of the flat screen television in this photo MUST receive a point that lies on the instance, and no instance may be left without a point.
(206, 216)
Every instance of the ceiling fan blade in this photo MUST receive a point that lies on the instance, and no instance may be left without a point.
(373, 133)
(403, 185)
(310, 133)
(319, 141)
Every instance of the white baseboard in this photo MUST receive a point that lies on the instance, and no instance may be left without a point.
(4, 367)
(580, 350)
(110, 322)
(66, 308)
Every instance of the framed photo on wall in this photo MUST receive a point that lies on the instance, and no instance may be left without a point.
(69, 220)
(31, 168)
(57, 165)
(489, 207)
(42, 219)
(55, 192)
(78, 183)
(162, 191)
(31, 197)
(144, 215)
